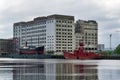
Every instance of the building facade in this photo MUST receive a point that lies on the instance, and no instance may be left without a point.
(101, 47)
(55, 32)
(6, 46)
(87, 31)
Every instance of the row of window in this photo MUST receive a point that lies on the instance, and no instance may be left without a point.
(17, 30)
(50, 36)
(28, 29)
(70, 26)
(62, 42)
(62, 50)
(15, 34)
(90, 27)
(50, 48)
(89, 43)
(64, 39)
(35, 35)
(34, 43)
(63, 21)
(79, 37)
(33, 28)
(34, 39)
(50, 42)
(50, 45)
(63, 45)
(91, 37)
(90, 40)
(50, 39)
(90, 48)
(92, 34)
(36, 23)
(31, 32)
(50, 21)
(64, 36)
(63, 33)
(64, 30)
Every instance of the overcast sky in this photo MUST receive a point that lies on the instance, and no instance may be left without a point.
(105, 12)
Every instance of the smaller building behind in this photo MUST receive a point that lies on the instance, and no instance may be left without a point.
(87, 31)
(101, 47)
(6, 46)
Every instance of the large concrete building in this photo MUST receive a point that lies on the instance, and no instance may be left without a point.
(55, 32)
(87, 31)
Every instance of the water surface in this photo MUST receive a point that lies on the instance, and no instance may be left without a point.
(59, 69)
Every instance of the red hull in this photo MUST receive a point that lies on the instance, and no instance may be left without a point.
(81, 54)
(38, 50)
(28, 52)
(84, 56)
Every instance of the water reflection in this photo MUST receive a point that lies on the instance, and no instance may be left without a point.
(54, 69)
(109, 70)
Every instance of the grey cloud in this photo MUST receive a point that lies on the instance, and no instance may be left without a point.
(82, 9)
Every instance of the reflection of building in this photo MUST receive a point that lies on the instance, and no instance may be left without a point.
(59, 71)
(55, 71)
(55, 32)
(6, 73)
(101, 47)
(85, 72)
(67, 71)
(29, 72)
(88, 32)
(50, 72)
(64, 71)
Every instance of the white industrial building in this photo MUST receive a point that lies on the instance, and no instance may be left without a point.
(55, 32)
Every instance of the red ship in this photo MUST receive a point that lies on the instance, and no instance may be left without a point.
(32, 50)
(81, 54)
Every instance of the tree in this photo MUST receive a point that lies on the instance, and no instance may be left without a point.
(107, 53)
(117, 50)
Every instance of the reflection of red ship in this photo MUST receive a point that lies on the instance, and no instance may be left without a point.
(81, 54)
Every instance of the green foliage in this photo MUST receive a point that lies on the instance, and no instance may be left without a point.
(106, 52)
(117, 50)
